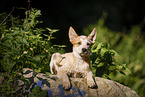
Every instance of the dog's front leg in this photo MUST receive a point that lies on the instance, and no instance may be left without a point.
(65, 79)
(90, 80)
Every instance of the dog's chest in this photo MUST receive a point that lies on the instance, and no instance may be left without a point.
(75, 67)
(78, 68)
(78, 65)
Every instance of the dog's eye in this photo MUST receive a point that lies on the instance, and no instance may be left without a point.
(79, 43)
(88, 44)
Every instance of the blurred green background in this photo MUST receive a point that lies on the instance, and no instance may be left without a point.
(120, 26)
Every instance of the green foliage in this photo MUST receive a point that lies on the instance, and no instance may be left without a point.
(106, 61)
(38, 92)
(24, 45)
(9, 83)
(131, 52)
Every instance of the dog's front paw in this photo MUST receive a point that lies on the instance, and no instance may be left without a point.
(66, 85)
(92, 84)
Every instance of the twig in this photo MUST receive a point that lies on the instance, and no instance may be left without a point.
(29, 1)
(7, 16)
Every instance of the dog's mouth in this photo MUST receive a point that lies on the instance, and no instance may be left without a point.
(84, 53)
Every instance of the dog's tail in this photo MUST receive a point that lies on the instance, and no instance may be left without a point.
(54, 63)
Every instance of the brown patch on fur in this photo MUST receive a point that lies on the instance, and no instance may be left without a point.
(78, 39)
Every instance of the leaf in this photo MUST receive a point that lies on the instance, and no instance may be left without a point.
(24, 41)
(44, 93)
(7, 64)
(8, 43)
(37, 58)
(103, 50)
(128, 71)
(16, 32)
(108, 46)
(35, 91)
(59, 45)
(119, 67)
(100, 65)
(52, 30)
(46, 35)
(98, 47)
(10, 80)
(116, 54)
(122, 72)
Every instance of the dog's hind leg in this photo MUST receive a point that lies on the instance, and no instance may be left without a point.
(54, 63)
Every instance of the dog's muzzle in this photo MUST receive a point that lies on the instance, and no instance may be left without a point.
(85, 51)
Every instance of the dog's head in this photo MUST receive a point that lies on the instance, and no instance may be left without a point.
(81, 44)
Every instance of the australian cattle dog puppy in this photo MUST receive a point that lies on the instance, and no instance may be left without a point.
(76, 63)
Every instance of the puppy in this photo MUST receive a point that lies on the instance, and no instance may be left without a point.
(76, 63)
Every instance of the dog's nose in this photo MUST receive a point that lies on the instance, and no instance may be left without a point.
(84, 49)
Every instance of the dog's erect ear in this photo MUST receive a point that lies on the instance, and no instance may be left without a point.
(93, 35)
(72, 34)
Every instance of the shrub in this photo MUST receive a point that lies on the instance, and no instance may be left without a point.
(131, 55)
(24, 45)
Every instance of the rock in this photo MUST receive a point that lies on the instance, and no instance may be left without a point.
(106, 88)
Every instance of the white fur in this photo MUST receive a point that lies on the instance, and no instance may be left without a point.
(74, 64)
